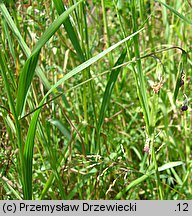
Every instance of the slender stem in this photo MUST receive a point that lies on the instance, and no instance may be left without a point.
(160, 191)
(106, 31)
(139, 76)
(85, 76)
(152, 137)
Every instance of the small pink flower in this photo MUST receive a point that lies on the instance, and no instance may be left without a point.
(146, 148)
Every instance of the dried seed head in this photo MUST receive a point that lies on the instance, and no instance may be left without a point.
(157, 86)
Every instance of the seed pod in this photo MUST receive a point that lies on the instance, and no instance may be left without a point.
(184, 108)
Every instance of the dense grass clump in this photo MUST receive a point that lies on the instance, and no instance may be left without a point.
(95, 99)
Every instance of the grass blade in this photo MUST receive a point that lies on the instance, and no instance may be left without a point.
(145, 176)
(66, 132)
(62, 128)
(14, 29)
(109, 89)
(180, 75)
(4, 75)
(28, 157)
(30, 65)
(107, 95)
(28, 150)
(26, 80)
(170, 165)
(89, 62)
(139, 76)
(69, 29)
(176, 12)
(131, 185)
(21, 42)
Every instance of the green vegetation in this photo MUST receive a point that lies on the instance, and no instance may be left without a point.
(95, 99)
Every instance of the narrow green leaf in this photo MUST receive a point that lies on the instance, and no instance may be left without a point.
(176, 12)
(14, 28)
(138, 71)
(27, 77)
(28, 157)
(179, 75)
(75, 189)
(10, 43)
(47, 186)
(3, 69)
(25, 81)
(16, 127)
(170, 165)
(89, 62)
(145, 176)
(53, 28)
(86, 64)
(53, 160)
(28, 71)
(28, 150)
(22, 43)
(61, 127)
(15, 192)
(69, 29)
(178, 179)
(66, 132)
(109, 89)
(131, 185)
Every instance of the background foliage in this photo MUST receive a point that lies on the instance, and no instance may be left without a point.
(88, 115)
